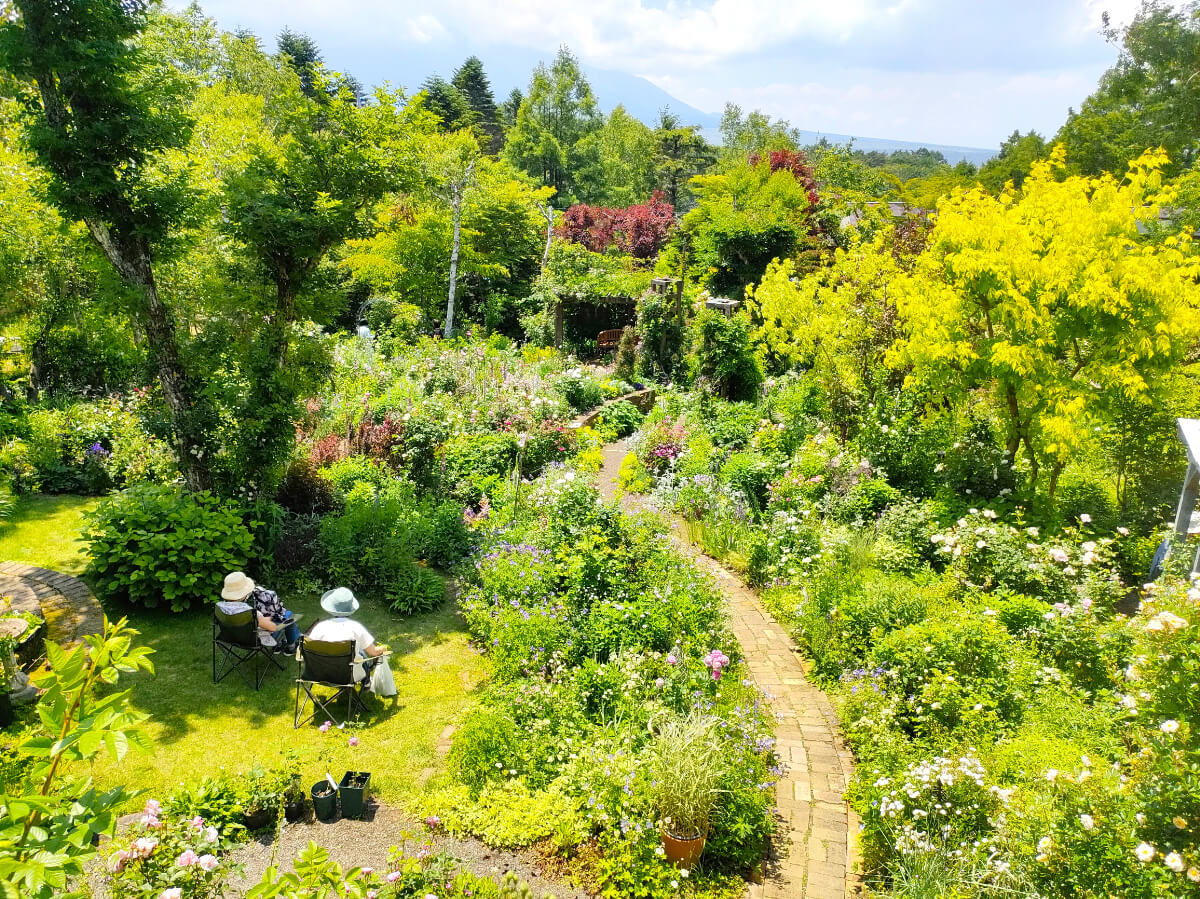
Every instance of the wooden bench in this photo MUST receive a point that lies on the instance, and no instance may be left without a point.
(609, 340)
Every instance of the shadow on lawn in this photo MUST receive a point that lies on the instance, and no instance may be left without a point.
(182, 691)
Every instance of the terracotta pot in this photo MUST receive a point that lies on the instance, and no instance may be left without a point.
(684, 852)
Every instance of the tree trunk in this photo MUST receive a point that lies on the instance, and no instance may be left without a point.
(457, 201)
(548, 212)
(131, 259)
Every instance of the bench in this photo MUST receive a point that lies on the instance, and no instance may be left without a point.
(609, 340)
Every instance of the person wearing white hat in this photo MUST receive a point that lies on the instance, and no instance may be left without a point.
(240, 588)
(341, 603)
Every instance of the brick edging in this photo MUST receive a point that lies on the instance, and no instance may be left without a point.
(71, 610)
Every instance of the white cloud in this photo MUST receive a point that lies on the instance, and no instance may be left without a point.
(425, 28)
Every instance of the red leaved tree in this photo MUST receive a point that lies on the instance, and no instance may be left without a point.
(639, 230)
(795, 162)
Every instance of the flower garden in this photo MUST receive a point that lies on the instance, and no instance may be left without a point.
(728, 527)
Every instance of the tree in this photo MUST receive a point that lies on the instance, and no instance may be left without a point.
(448, 103)
(755, 132)
(1149, 98)
(511, 106)
(616, 161)
(303, 55)
(558, 112)
(307, 190)
(1051, 300)
(101, 120)
(680, 154)
(472, 82)
(638, 230)
(1014, 162)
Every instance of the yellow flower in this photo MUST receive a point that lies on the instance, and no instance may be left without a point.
(1179, 822)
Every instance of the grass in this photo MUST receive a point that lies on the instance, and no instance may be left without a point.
(198, 727)
(42, 530)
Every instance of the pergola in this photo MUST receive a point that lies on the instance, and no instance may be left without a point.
(1189, 433)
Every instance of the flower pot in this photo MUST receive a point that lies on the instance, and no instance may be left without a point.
(683, 851)
(355, 788)
(6, 713)
(294, 810)
(324, 799)
(258, 819)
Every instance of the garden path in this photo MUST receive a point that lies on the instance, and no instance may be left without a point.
(68, 605)
(813, 856)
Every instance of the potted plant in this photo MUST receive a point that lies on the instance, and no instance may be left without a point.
(686, 768)
(354, 791)
(325, 799)
(293, 798)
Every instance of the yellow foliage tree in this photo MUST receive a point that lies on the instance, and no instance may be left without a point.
(1052, 300)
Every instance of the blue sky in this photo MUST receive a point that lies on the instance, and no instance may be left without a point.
(963, 72)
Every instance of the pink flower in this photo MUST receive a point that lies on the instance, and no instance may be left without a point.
(171, 893)
(211, 835)
(197, 822)
(153, 807)
(660, 683)
(671, 660)
(118, 861)
(143, 846)
(150, 821)
(394, 876)
(187, 858)
(370, 894)
(324, 727)
(209, 862)
(353, 741)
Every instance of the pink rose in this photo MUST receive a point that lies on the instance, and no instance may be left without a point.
(187, 858)
(172, 893)
(394, 876)
(324, 727)
(197, 822)
(153, 807)
(208, 862)
(353, 741)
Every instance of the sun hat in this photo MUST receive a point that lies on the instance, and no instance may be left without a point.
(237, 586)
(339, 601)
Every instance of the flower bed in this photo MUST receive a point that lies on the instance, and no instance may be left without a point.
(599, 633)
(1014, 733)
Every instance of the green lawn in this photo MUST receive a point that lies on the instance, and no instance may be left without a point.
(198, 727)
(43, 530)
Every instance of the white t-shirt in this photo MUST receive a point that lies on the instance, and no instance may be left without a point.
(332, 630)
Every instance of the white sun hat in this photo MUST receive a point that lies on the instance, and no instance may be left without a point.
(237, 586)
(339, 601)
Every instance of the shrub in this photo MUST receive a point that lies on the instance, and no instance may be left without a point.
(303, 490)
(905, 529)
(625, 363)
(724, 355)
(866, 501)
(369, 547)
(621, 417)
(752, 475)
(150, 545)
(346, 474)
(580, 391)
(472, 465)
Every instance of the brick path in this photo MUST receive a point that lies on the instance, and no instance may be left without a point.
(68, 605)
(814, 850)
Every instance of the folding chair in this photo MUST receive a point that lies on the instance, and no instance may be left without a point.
(327, 664)
(237, 640)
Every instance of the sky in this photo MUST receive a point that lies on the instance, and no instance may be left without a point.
(961, 72)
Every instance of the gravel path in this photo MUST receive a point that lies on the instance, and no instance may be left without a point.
(366, 844)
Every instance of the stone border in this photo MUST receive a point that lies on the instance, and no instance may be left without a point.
(643, 399)
(814, 853)
(67, 603)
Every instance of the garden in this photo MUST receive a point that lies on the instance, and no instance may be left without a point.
(255, 318)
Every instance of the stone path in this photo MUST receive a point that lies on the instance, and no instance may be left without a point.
(68, 605)
(813, 855)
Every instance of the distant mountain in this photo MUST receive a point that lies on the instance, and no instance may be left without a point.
(644, 99)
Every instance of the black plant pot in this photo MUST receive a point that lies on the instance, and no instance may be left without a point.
(6, 712)
(294, 810)
(258, 819)
(355, 789)
(325, 800)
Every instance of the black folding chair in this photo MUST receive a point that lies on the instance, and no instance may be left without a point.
(239, 645)
(330, 665)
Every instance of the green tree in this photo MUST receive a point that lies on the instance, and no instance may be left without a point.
(557, 113)
(302, 54)
(102, 119)
(472, 82)
(448, 103)
(745, 133)
(1014, 162)
(1149, 98)
(511, 106)
(616, 162)
(680, 154)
